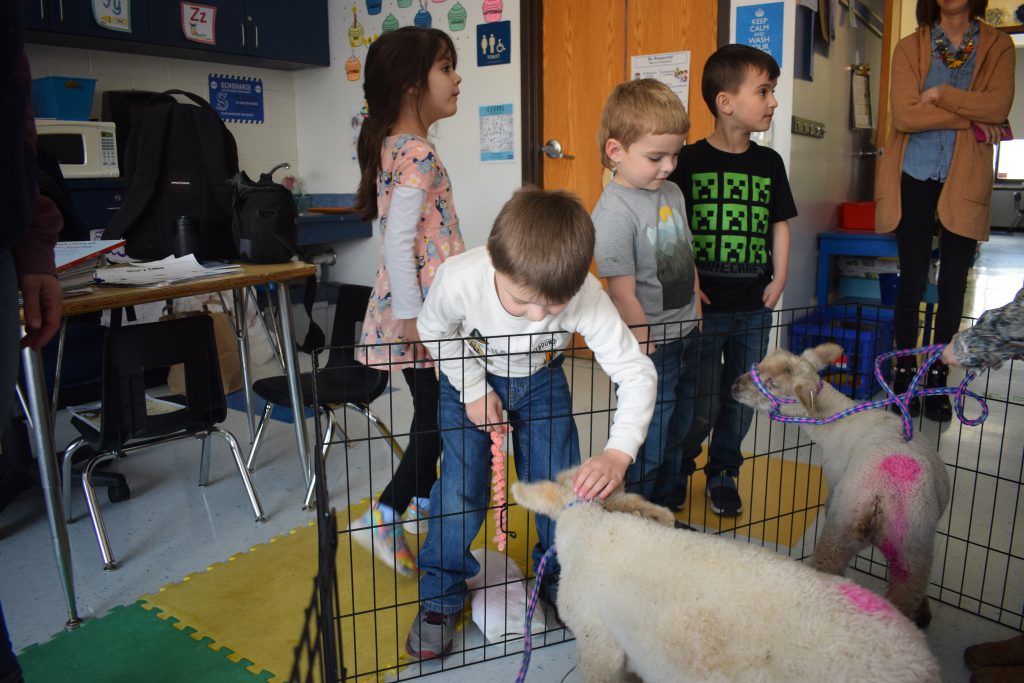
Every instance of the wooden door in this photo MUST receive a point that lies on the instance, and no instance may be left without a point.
(585, 53)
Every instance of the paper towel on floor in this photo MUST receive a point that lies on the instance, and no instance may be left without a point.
(499, 609)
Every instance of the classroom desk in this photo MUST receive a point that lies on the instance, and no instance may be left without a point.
(855, 243)
(848, 243)
(110, 297)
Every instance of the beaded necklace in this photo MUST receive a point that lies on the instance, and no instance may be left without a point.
(955, 60)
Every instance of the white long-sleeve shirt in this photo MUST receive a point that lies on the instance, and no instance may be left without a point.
(463, 303)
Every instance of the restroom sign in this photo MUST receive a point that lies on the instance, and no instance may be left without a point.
(494, 43)
(199, 23)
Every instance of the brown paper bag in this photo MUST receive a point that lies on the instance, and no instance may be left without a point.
(227, 354)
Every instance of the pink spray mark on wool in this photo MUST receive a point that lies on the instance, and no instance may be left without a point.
(863, 599)
(901, 471)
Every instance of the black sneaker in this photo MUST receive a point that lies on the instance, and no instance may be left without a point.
(901, 377)
(937, 408)
(676, 499)
(725, 499)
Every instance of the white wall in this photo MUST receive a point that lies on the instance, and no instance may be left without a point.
(325, 102)
(260, 146)
(822, 171)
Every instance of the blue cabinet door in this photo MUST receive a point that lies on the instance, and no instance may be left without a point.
(168, 24)
(293, 31)
(37, 14)
(83, 17)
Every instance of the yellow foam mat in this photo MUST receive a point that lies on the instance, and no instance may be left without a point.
(781, 499)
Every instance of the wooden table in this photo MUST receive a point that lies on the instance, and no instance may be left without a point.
(117, 297)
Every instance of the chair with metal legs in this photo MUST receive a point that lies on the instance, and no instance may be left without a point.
(343, 381)
(128, 421)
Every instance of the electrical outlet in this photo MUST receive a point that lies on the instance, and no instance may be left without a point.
(814, 129)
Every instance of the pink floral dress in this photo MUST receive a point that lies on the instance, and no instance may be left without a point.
(410, 161)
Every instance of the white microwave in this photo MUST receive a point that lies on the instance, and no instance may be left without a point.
(84, 149)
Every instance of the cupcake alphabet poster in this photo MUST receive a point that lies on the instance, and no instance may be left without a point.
(370, 19)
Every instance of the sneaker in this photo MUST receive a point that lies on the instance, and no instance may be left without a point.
(431, 634)
(725, 499)
(384, 540)
(676, 499)
(414, 521)
(901, 377)
(937, 408)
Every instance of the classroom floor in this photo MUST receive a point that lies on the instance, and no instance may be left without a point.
(171, 527)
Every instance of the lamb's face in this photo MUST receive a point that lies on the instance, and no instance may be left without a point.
(786, 376)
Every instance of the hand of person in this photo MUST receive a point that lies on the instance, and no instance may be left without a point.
(772, 293)
(601, 474)
(704, 297)
(411, 335)
(485, 413)
(42, 298)
(993, 133)
(948, 357)
(931, 95)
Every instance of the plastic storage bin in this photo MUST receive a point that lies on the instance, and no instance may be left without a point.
(63, 97)
(864, 332)
(857, 216)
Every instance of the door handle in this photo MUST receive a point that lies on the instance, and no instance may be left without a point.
(553, 148)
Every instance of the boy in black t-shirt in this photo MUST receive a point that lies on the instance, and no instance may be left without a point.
(739, 202)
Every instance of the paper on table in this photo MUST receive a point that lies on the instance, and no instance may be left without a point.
(68, 254)
(163, 272)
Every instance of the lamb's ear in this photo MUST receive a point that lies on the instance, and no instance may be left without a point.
(821, 356)
(633, 503)
(545, 497)
(805, 392)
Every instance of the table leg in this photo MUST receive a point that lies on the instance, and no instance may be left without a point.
(284, 307)
(42, 438)
(242, 334)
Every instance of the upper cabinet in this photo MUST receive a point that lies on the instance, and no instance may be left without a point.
(271, 33)
(109, 19)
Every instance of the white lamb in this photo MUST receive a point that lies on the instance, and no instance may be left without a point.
(882, 490)
(671, 605)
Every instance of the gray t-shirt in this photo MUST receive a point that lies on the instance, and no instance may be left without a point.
(644, 233)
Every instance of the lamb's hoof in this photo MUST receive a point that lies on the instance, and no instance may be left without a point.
(924, 615)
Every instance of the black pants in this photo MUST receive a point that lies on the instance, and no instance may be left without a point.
(417, 471)
(920, 199)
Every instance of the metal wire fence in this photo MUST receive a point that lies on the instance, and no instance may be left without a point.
(365, 609)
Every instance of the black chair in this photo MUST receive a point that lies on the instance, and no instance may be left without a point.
(343, 381)
(126, 421)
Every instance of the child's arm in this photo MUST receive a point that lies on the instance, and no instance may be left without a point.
(438, 325)
(698, 298)
(622, 290)
(619, 355)
(400, 261)
(780, 264)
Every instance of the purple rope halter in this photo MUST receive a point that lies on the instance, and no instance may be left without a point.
(902, 401)
(531, 607)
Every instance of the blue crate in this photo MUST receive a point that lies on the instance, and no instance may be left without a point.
(864, 332)
(63, 97)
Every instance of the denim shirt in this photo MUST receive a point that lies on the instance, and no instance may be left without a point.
(930, 152)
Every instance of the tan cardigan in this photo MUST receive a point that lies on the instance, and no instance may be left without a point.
(966, 194)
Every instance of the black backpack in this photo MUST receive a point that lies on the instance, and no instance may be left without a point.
(265, 222)
(178, 161)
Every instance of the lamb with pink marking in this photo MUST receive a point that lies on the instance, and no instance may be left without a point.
(882, 490)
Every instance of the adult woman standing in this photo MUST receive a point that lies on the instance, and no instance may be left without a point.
(952, 80)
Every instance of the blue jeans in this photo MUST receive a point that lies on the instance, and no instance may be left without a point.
(544, 442)
(730, 343)
(659, 467)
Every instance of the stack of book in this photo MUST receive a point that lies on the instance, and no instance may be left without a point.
(77, 263)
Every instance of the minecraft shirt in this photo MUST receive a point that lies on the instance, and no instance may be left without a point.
(733, 200)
